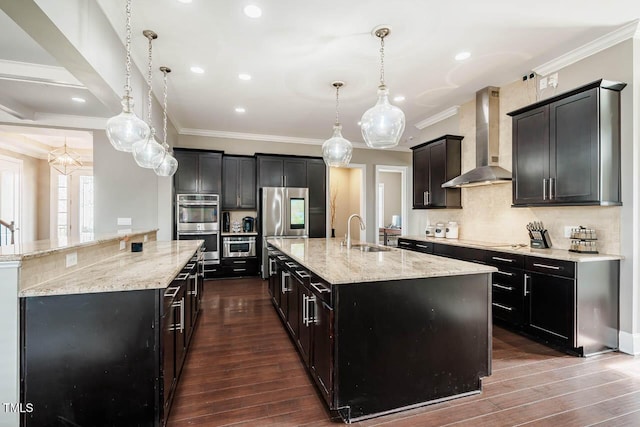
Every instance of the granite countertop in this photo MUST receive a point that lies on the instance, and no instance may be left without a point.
(153, 268)
(336, 264)
(551, 253)
(38, 248)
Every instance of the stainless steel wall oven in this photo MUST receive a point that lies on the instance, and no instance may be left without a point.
(197, 219)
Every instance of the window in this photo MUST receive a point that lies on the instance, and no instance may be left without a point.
(10, 179)
(72, 205)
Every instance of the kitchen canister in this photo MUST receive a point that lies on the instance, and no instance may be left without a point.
(440, 230)
(430, 231)
(451, 231)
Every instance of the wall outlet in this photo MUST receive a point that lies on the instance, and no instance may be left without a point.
(72, 259)
(553, 80)
(124, 221)
(567, 230)
(145, 238)
(543, 83)
(122, 245)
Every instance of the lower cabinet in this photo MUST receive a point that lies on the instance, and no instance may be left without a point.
(117, 356)
(236, 267)
(571, 305)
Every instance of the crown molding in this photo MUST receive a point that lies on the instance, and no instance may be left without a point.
(630, 30)
(38, 73)
(58, 120)
(270, 138)
(429, 121)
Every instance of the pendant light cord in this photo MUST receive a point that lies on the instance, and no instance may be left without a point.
(337, 105)
(382, 61)
(149, 81)
(127, 84)
(164, 123)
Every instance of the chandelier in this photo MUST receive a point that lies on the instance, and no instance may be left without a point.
(64, 160)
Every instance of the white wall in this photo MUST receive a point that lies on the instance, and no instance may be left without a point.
(392, 194)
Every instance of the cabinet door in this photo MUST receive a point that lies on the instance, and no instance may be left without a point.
(551, 306)
(322, 355)
(168, 358)
(574, 150)
(230, 167)
(186, 177)
(270, 172)
(420, 176)
(247, 183)
(316, 181)
(210, 173)
(295, 172)
(293, 315)
(437, 175)
(531, 156)
(304, 330)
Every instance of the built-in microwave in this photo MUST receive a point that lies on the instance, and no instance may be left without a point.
(238, 246)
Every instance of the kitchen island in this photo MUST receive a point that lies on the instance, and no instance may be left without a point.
(381, 329)
(104, 342)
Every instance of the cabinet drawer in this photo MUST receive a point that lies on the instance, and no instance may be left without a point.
(508, 277)
(239, 262)
(551, 266)
(461, 253)
(407, 244)
(498, 259)
(507, 312)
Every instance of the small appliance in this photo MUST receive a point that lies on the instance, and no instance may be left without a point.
(440, 230)
(226, 222)
(430, 231)
(247, 224)
(240, 246)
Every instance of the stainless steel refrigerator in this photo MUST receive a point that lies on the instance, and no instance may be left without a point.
(284, 212)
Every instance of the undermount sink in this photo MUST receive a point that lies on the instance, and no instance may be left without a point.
(370, 248)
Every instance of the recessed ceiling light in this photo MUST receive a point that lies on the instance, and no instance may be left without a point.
(240, 110)
(252, 11)
(197, 70)
(78, 99)
(462, 56)
(399, 98)
(244, 76)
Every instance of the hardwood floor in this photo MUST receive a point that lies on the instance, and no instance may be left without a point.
(243, 370)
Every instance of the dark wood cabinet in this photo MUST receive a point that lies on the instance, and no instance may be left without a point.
(566, 150)
(199, 172)
(238, 182)
(434, 163)
(317, 183)
(238, 267)
(551, 306)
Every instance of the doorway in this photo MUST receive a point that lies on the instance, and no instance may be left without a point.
(391, 201)
(72, 207)
(346, 197)
(10, 201)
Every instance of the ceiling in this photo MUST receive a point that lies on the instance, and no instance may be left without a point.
(296, 49)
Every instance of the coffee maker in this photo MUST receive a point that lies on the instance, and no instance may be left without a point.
(226, 221)
(247, 224)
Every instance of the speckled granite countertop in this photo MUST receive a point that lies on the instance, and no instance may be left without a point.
(38, 248)
(338, 265)
(153, 268)
(551, 253)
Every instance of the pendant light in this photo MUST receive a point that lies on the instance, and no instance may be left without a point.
(64, 160)
(382, 125)
(336, 151)
(148, 153)
(169, 165)
(126, 128)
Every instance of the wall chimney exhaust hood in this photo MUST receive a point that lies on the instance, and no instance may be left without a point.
(487, 171)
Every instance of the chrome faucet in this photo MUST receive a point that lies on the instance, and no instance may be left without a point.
(362, 227)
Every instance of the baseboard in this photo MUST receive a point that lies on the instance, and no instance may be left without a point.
(629, 343)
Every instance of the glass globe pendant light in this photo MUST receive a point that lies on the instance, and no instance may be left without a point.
(382, 125)
(169, 165)
(148, 153)
(126, 128)
(336, 151)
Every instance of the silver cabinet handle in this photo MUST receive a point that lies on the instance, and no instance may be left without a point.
(239, 269)
(182, 276)
(319, 287)
(506, 288)
(544, 189)
(505, 273)
(526, 284)
(239, 262)
(311, 318)
(404, 243)
(504, 307)
(552, 267)
(497, 258)
(179, 305)
(283, 281)
(290, 264)
(190, 265)
(552, 188)
(422, 246)
(272, 266)
(424, 198)
(304, 309)
(303, 274)
(174, 289)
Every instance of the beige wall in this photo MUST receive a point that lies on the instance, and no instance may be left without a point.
(35, 197)
(345, 184)
(368, 158)
(392, 194)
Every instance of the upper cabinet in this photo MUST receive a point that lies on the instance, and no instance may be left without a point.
(566, 149)
(238, 182)
(434, 163)
(199, 172)
(281, 171)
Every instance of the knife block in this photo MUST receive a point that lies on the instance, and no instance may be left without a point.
(543, 243)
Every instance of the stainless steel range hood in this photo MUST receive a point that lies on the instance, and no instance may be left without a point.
(487, 171)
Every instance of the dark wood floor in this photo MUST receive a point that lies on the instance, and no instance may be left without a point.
(243, 370)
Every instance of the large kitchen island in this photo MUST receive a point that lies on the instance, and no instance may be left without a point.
(380, 329)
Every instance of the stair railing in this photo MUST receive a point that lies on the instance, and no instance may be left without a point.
(11, 228)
